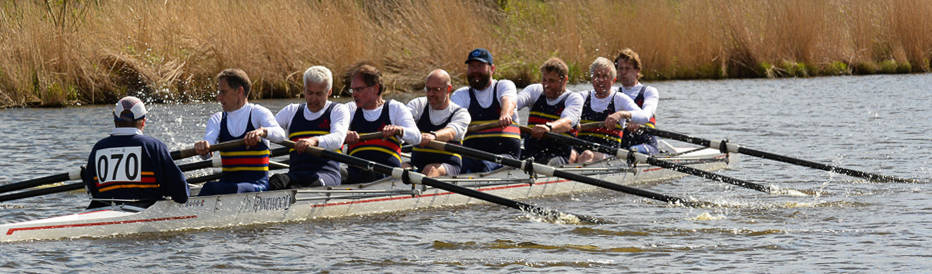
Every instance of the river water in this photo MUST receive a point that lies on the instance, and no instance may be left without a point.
(872, 123)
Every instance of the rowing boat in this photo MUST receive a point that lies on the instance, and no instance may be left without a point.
(383, 196)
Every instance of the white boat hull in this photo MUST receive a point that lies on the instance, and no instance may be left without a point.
(389, 195)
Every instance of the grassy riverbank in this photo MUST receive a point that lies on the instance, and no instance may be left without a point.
(66, 52)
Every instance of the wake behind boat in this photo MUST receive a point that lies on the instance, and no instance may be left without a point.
(383, 196)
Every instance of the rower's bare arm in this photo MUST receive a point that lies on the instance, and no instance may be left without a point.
(508, 110)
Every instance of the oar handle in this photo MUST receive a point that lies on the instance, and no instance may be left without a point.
(185, 153)
(481, 127)
(593, 125)
(371, 136)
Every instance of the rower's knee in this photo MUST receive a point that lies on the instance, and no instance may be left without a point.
(434, 170)
(584, 157)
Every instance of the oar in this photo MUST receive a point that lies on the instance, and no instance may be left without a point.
(724, 146)
(551, 171)
(625, 153)
(184, 167)
(417, 178)
(474, 128)
(75, 174)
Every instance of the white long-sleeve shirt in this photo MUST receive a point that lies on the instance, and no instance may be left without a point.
(573, 105)
(651, 97)
(398, 114)
(459, 122)
(484, 97)
(236, 123)
(339, 122)
(622, 102)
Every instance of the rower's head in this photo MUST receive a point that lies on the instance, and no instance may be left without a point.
(438, 88)
(130, 112)
(480, 68)
(232, 89)
(318, 85)
(602, 73)
(553, 76)
(366, 86)
(628, 64)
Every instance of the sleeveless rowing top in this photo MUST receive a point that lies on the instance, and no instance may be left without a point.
(306, 167)
(602, 135)
(422, 156)
(498, 140)
(241, 164)
(542, 113)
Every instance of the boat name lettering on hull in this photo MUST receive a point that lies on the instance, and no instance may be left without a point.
(271, 203)
(194, 203)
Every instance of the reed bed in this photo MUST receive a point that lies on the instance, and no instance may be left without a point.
(58, 53)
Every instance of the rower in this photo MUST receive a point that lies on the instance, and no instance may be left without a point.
(369, 113)
(556, 111)
(130, 168)
(602, 102)
(488, 100)
(246, 168)
(438, 119)
(318, 122)
(628, 64)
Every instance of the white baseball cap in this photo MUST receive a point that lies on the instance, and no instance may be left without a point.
(129, 109)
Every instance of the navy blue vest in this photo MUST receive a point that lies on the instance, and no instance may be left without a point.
(383, 151)
(629, 138)
(305, 167)
(505, 140)
(545, 148)
(241, 164)
(422, 156)
(610, 137)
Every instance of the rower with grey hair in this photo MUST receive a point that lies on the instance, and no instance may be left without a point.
(318, 122)
(130, 168)
(600, 103)
(438, 119)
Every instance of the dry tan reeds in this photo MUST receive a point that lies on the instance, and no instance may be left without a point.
(56, 53)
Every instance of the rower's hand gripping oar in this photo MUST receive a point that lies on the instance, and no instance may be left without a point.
(640, 157)
(409, 176)
(725, 146)
(551, 171)
(75, 174)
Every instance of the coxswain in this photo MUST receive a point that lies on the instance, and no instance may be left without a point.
(438, 119)
(130, 168)
(245, 168)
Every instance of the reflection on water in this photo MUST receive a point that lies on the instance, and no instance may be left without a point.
(871, 123)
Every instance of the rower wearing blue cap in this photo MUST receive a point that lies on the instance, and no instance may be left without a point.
(488, 100)
(130, 168)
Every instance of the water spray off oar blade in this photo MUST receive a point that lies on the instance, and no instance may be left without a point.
(418, 178)
(725, 146)
(551, 171)
(640, 157)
